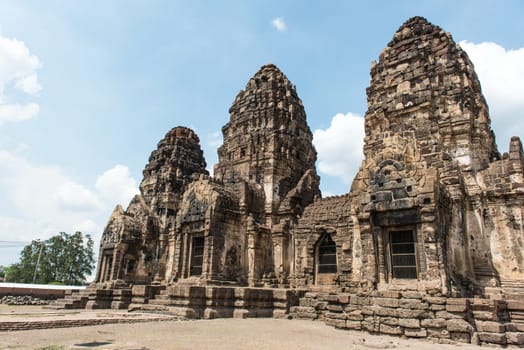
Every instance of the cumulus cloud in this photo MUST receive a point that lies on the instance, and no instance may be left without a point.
(279, 24)
(43, 193)
(501, 74)
(41, 200)
(18, 69)
(339, 147)
(72, 196)
(18, 112)
(29, 84)
(116, 185)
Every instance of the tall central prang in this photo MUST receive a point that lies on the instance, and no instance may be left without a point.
(267, 139)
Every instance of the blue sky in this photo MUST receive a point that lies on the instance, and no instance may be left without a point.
(88, 88)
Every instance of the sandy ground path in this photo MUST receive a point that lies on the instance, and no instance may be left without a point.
(211, 334)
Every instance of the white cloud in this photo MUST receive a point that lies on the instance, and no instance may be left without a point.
(43, 193)
(279, 24)
(17, 112)
(214, 139)
(116, 185)
(39, 201)
(501, 73)
(29, 84)
(72, 196)
(17, 68)
(339, 146)
(87, 226)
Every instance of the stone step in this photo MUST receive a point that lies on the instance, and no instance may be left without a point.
(513, 295)
(179, 312)
(147, 308)
(512, 284)
(160, 302)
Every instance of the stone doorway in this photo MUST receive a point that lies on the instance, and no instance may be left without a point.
(326, 260)
(197, 256)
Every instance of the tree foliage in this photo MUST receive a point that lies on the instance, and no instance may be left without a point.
(62, 259)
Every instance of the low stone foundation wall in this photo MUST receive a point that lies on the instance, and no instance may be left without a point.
(30, 325)
(48, 292)
(207, 302)
(412, 314)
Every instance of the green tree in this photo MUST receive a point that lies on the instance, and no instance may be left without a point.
(63, 259)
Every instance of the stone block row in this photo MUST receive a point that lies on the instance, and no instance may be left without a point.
(415, 315)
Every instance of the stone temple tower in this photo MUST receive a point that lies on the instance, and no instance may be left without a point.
(267, 139)
(171, 167)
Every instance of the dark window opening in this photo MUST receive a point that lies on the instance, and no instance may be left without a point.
(130, 266)
(109, 268)
(197, 256)
(327, 255)
(403, 260)
(242, 152)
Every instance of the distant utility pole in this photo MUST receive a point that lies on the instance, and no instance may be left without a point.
(38, 261)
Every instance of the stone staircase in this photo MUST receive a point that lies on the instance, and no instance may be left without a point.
(484, 271)
(513, 289)
(94, 297)
(73, 299)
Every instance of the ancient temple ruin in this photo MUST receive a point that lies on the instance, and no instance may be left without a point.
(234, 227)
(433, 219)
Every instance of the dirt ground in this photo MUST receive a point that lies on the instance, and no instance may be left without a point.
(261, 333)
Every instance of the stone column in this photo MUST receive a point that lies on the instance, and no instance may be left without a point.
(379, 234)
(252, 255)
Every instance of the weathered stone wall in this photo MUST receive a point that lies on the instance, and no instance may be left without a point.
(417, 315)
(501, 213)
(330, 216)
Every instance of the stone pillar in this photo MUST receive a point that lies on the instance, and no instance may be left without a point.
(184, 256)
(170, 263)
(253, 253)
(379, 234)
(100, 277)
